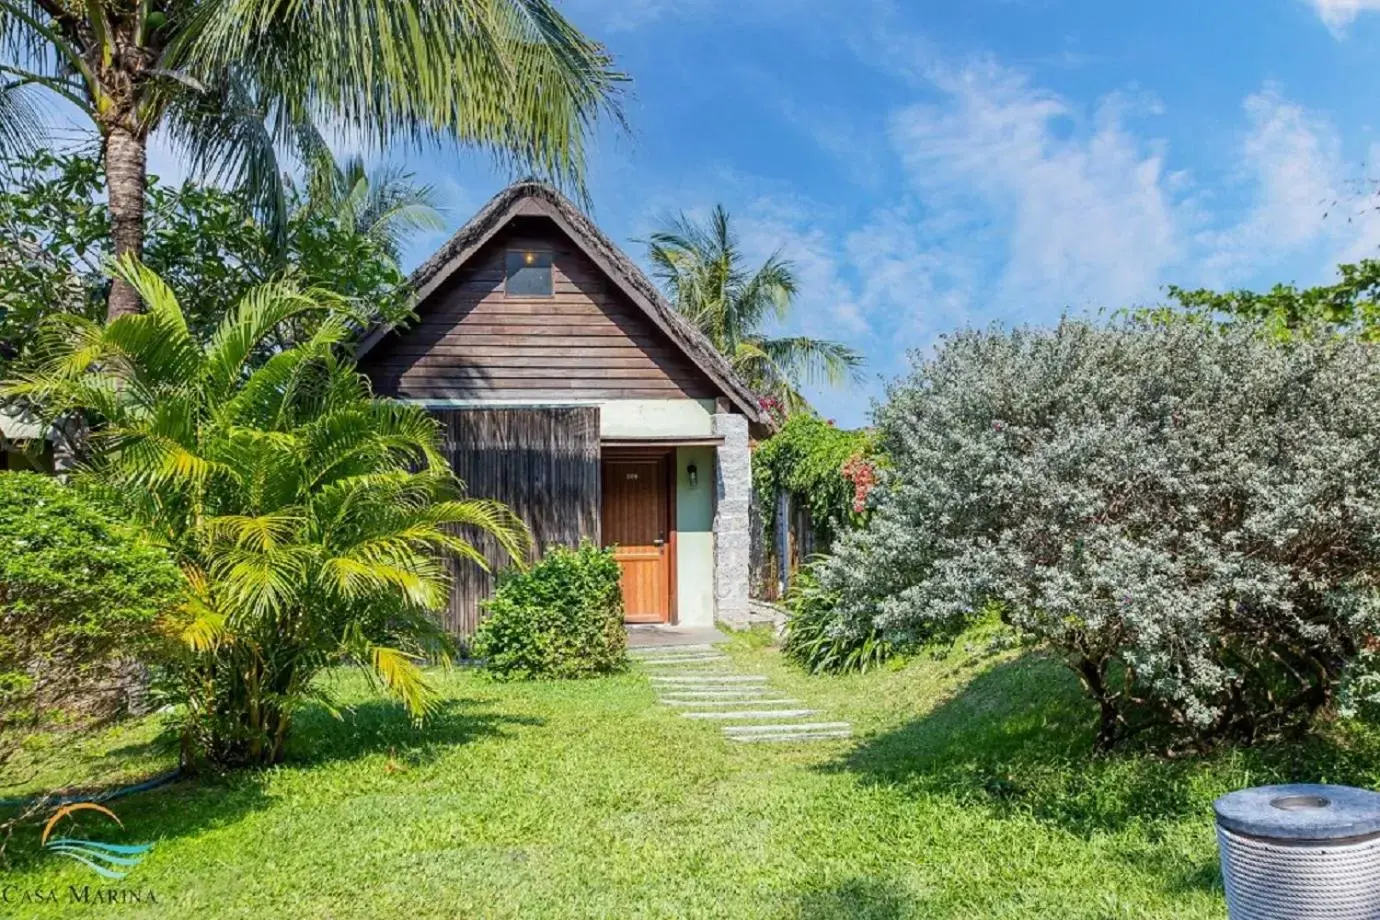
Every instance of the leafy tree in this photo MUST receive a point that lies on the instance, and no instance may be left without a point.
(703, 272)
(80, 593)
(1187, 512)
(234, 84)
(310, 518)
(1351, 305)
(55, 244)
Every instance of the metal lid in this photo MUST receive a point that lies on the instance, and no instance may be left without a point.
(1302, 811)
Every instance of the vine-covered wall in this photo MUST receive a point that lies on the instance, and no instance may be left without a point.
(826, 471)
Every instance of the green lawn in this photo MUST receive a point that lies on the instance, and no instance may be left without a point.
(968, 794)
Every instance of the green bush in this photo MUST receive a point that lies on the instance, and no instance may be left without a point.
(561, 618)
(78, 592)
(1189, 514)
(813, 638)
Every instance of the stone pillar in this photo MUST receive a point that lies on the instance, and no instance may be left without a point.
(732, 524)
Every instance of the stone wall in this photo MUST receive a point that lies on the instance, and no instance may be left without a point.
(732, 522)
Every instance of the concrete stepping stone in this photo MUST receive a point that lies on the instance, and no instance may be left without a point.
(840, 734)
(787, 728)
(731, 701)
(749, 714)
(698, 659)
(716, 696)
(721, 699)
(708, 679)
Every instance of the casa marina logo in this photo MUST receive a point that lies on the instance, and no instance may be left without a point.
(77, 895)
(111, 861)
(108, 860)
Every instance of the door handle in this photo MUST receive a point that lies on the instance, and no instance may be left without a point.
(658, 542)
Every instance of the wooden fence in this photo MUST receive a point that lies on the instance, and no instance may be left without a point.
(542, 463)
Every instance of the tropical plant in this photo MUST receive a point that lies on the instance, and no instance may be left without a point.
(814, 638)
(385, 208)
(235, 85)
(1188, 512)
(1350, 305)
(704, 274)
(205, 242)
(311, 519)
(829, 469)
(562, 618)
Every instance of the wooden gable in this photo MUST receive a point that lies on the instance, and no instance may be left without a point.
(589, 341)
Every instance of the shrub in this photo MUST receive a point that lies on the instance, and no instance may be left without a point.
(561, 618)
(312, 519)
(814, 638)
(78, 592)
(1189, 513)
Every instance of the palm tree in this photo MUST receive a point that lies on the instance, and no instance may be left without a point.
(236, 83)
(703, 273)
(311, 519)
(385, 207)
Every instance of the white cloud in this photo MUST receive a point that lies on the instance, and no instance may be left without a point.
(1092, 216)
(1291, 162)
(1303, 193)
(912, 286)
(1338, 14)
(827, 305)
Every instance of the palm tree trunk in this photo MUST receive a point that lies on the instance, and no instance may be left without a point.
(126, 161)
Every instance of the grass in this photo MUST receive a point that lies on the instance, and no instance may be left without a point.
(970, 794)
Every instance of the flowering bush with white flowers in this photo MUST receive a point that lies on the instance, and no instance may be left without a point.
(1189, 514)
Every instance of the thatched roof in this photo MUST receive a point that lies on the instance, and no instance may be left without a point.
(536, 199)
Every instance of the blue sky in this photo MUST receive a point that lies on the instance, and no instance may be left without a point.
(932, 164)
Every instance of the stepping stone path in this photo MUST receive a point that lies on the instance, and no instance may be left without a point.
(690, 678)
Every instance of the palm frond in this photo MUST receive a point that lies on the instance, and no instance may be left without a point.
(813, 360)
(386, 207)
(401, 675)
(21, 128)
(701, 268)
(512, 77)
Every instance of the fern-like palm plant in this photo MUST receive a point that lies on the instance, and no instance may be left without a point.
(311, 519)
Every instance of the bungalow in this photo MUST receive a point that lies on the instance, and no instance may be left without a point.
(573, 392)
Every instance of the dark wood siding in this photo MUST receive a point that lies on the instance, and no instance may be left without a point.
(542, 463)
(587, 341)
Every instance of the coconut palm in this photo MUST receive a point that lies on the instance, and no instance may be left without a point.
(236, 83)
(703, 273)
(386, 206)
(312, 520)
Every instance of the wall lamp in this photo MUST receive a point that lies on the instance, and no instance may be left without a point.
(694, 473)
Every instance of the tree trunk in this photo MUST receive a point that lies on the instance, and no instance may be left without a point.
(126, 154)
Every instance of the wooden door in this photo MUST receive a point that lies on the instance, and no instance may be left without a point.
(637, 524)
